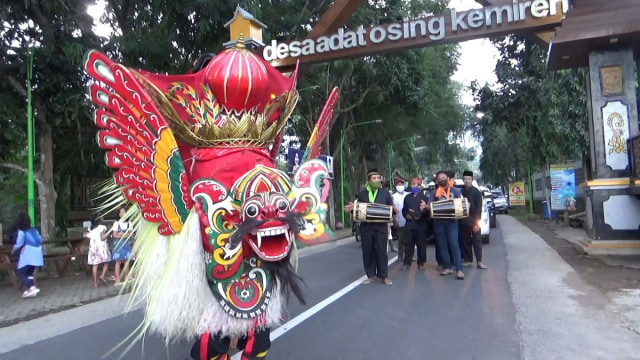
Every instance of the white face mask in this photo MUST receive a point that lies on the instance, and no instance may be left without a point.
(400, 188)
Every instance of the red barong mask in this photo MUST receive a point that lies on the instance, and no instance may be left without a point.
(195, 155)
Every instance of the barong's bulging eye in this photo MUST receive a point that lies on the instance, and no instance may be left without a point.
(282, 205)
(251, 211)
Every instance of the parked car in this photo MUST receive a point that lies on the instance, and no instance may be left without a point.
(485, 227)
(500, 201)
(488, 196)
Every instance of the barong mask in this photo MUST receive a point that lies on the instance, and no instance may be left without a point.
(194, 156)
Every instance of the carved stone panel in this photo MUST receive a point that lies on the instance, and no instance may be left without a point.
(612, 80)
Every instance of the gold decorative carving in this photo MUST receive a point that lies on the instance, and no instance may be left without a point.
(611, 78)
(617, 125)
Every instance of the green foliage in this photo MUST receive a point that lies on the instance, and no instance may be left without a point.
(531, 116)
(57, 33)
(410, 91)
(167, 36)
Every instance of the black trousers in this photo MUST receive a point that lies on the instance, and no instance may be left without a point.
(254, 346)
(415, 238)
(374, 252)
(25, 274)
(471, 243)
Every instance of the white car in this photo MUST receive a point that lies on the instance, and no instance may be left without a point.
(485, 228)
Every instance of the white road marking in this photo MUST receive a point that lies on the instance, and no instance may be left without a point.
(313, 310)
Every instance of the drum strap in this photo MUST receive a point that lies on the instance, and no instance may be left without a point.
(372, 194)
(441, 191)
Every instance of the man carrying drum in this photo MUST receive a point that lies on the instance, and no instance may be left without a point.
(446, 228)
(470, 237)
(373, 226)
(416, 225)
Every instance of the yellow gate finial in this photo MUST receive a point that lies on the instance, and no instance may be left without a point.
(243, 24)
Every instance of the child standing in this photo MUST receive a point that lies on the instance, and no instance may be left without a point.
(122, 249)
(98, 249)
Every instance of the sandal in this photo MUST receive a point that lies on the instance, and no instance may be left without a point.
(459, 275)
(369, 281)
(446, 272)
(103, 279)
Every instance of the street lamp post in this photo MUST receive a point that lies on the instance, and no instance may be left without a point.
(30, 130)
(342, 132)
(390, 147)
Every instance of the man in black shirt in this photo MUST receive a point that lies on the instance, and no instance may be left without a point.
(374, 235)
(470, 236)
(415, 229)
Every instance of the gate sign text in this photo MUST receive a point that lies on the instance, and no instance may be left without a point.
(434, 28)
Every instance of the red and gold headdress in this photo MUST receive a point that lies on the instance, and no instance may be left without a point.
(195, 154)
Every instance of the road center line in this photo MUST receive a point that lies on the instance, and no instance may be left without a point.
(313, 310)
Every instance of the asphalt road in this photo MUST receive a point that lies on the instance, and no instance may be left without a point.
(420, 316)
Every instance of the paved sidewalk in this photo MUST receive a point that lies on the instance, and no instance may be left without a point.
(73, 290)
(56, 294)
(559, 315)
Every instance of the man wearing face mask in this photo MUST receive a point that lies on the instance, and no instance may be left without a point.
(415, 229)
(399, 220)
(374, 235)
(446, 229)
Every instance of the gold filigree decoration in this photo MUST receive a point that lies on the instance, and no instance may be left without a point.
(615, 121)
(244, 129)
(212, 126)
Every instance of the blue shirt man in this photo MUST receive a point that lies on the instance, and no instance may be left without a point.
(446, 229)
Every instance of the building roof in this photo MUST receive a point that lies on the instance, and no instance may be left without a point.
(589, 25)
(245, 15)
(593, 25)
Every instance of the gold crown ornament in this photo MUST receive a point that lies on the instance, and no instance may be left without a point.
(236, 100)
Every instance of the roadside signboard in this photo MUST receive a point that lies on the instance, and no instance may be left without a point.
(563, 187)
(516, 194)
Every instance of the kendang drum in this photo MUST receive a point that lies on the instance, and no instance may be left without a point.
(372, 212)
(457, 208)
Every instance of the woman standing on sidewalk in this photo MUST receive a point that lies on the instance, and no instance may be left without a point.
(29, 243)
(122, 249)
(98, 249)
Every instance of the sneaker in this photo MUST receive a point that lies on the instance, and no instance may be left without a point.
(481, 265)
(387, 282)
(31, 292)
(467, 263)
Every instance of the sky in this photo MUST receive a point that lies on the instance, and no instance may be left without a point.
(477, 62)
(477, 57)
